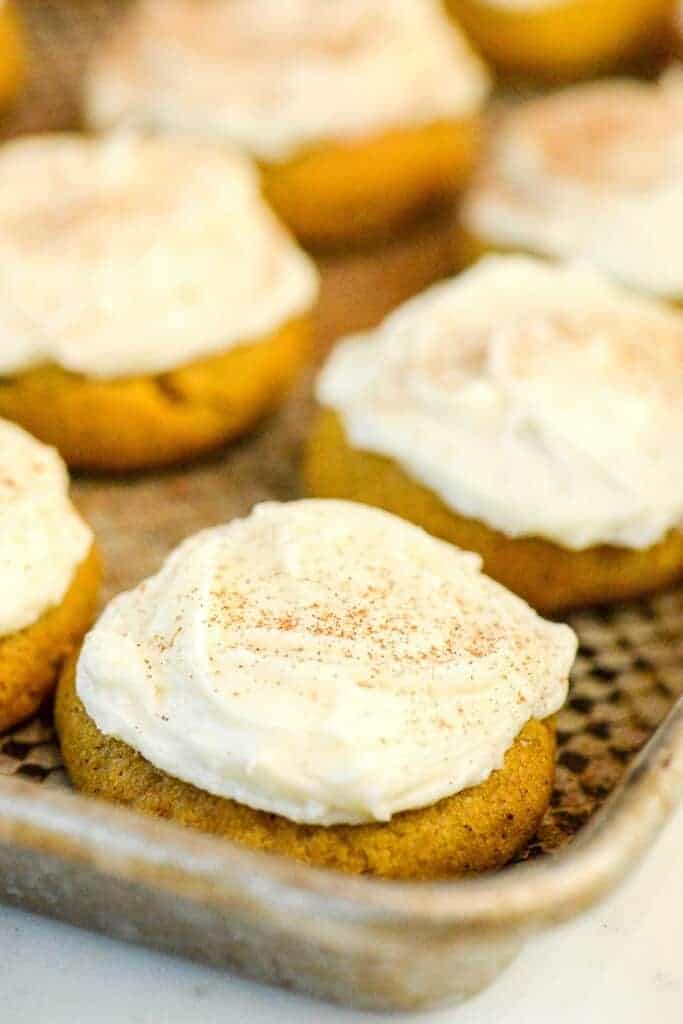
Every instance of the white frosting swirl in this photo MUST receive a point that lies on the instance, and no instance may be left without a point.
(121, 256)
(274, 77)
(324, 661)
(594, 172)
(42, 538)
(541, 399)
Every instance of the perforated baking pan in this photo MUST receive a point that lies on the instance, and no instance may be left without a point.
(382, 945)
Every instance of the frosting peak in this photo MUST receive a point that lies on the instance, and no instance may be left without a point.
(592, 172)
(274, 77)
(42, 538)
(124, 256)
(539, 399)
(323, 661)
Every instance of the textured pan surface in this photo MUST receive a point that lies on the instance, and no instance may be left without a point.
(370, 944)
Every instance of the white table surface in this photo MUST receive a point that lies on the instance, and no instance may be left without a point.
(622, 963)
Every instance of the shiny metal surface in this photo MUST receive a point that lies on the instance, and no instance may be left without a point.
(373, 944)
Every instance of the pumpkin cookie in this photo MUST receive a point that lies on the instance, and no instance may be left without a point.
(527, 411)
(154, 307)
(561, 38)
(590, 173)
(678, 28)
(361, 114)
(49, 572)
(357, 696)
(12, 57)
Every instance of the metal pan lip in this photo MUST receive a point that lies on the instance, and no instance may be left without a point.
(122, 843)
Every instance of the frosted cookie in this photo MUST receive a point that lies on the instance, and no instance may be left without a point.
(12, 57)
(594, 172)
(527, 411)
(325, 681)
(151, 306)
(360, 113)
(561, 38)
(49, 573)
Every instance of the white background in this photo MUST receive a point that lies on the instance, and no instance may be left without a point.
(622, 962)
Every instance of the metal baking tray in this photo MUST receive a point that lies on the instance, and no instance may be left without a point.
(374, 944)
(367, 943)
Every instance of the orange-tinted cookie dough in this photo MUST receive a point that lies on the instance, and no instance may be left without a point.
(12, 59)
(474, 830)
(139, 422)
(345, 193)
(565, 40)
(549, 577)
(31, 659)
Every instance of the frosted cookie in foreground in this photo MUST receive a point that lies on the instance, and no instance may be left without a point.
(527, 411)
(360, 113)
(12, 57)
(152, 307)
(561, 38)
(594, 172)
(49, 573)
(325, 681)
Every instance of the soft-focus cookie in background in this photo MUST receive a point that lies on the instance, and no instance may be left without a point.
(324, 681)
(152, 307)
(361, 114)
(562, 38)
(49, 569)
(678, 28)
(12, 53)
(594, 173)
(525, 410)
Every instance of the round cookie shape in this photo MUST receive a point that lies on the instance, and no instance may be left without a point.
(551, 578)
(478, 829)
(592, 172)
(49, 569)
(32, 659)
(562, 39)
(152, 306)
(528, 411)
(323, 661)
(361, 114)
(324, 680)
(42, 537)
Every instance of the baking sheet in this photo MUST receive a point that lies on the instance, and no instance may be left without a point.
(630, 668)
(357, 941)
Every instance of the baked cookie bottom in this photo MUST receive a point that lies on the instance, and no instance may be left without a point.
(475, 830)
(549, 577)
(568, 40)
(12, 59)
(139, 422)
(338, 194)
(31, 659)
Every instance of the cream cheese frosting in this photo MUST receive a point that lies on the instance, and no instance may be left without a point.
(274, 77)
(540, 399)
(595, 173)
(323, 661)
(42, 537)
(125, 256)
